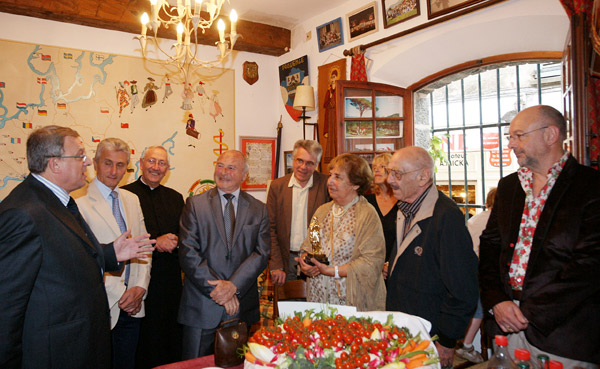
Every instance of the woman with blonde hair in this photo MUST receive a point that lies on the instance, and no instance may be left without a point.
(383, 200)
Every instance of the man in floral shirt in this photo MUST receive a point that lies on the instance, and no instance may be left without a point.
(540, 252)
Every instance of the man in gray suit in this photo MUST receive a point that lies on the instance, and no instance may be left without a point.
(224, 245)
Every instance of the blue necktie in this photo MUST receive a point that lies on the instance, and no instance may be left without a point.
(229, 220)
(116, 210)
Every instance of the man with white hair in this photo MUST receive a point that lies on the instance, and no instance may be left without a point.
(433, 270)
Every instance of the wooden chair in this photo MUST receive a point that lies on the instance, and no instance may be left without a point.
(291, 290)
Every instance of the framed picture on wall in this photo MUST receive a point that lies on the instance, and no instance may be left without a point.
(436, 8)
(395, 12)
(287, 161)
(330, 35)
(260, 153)
(362, 21)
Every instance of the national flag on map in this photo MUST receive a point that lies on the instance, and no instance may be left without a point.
(104, 110)
(130, 170)
(42, 112)
(46, 57)
(21, 105)
(124, 125)
(41, 80)
(68, 55)
(61, 105)
(2, 85)
(27, 125)
(132, 152)
(94, 139)
(15, 140)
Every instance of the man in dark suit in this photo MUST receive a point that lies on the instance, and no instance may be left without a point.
(223, 247)
(291, 202)
(540, 251)
(53, 306)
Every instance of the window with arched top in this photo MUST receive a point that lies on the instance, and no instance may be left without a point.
(462, 115)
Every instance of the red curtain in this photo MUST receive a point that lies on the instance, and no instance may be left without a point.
(586, 7)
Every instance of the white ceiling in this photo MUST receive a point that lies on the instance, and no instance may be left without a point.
(281, 13)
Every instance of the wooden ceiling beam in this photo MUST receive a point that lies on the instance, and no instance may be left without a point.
(124, 16)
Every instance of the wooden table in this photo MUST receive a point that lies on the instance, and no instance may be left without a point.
(198, 363)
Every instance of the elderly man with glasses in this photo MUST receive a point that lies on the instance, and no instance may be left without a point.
(540, 251)
(433, 269)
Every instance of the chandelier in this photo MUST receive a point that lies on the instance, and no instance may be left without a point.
(188, 20)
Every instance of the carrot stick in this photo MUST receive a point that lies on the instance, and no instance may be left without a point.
(414, 364)
(418, 357)
(251, 358)
(422, 345)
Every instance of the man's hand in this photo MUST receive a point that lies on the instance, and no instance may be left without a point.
(136, 247)
(232, 306)
(509, 317)
(224, 291)
(166, 242)
(131, 301)
(311, 271)
(446, 355)
(278, 277)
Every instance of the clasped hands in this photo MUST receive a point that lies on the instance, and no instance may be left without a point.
(224, 295)
(318, 268)
(131, 301)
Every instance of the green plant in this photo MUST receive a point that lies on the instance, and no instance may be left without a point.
(436, 150)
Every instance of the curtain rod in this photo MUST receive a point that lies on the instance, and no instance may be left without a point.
(425, 25)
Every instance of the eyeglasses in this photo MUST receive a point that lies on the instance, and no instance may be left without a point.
(398, 174)
(82, 156)
(161, 163)
(301, 162)
(519, 136)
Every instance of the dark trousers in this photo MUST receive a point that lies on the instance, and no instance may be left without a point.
(125, 337)
(197, 342)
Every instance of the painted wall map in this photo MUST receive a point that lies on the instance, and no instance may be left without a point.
(104, 95)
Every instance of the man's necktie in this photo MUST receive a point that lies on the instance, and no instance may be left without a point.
(72, 206)
(116, 210)
(229, 219)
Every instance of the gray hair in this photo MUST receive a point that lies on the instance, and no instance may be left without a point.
(312, 147)
(156, 147)
(45, 143)
(113, 144)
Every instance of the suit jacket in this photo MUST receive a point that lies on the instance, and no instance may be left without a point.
(98, 215)
(279, 205)
(434, 274)
(203, 256)
(561, 289)
(53, 306)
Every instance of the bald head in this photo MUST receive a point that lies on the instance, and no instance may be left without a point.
(415, 157)
(544, 115)
(410, 173)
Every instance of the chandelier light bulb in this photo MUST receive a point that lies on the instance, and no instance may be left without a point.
(179, 32)
(145, 20)
(221, 28)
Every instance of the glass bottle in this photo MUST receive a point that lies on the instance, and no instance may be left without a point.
(543, 361)
(501, 358)
(522, 356)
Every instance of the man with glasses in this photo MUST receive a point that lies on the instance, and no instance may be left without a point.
(540, 251)
(291, 202)
(53, 306)
(110, 211)
(433, 269)
(160, 334)
(224, 246)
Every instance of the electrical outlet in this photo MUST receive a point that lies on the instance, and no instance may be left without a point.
(308, 35)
